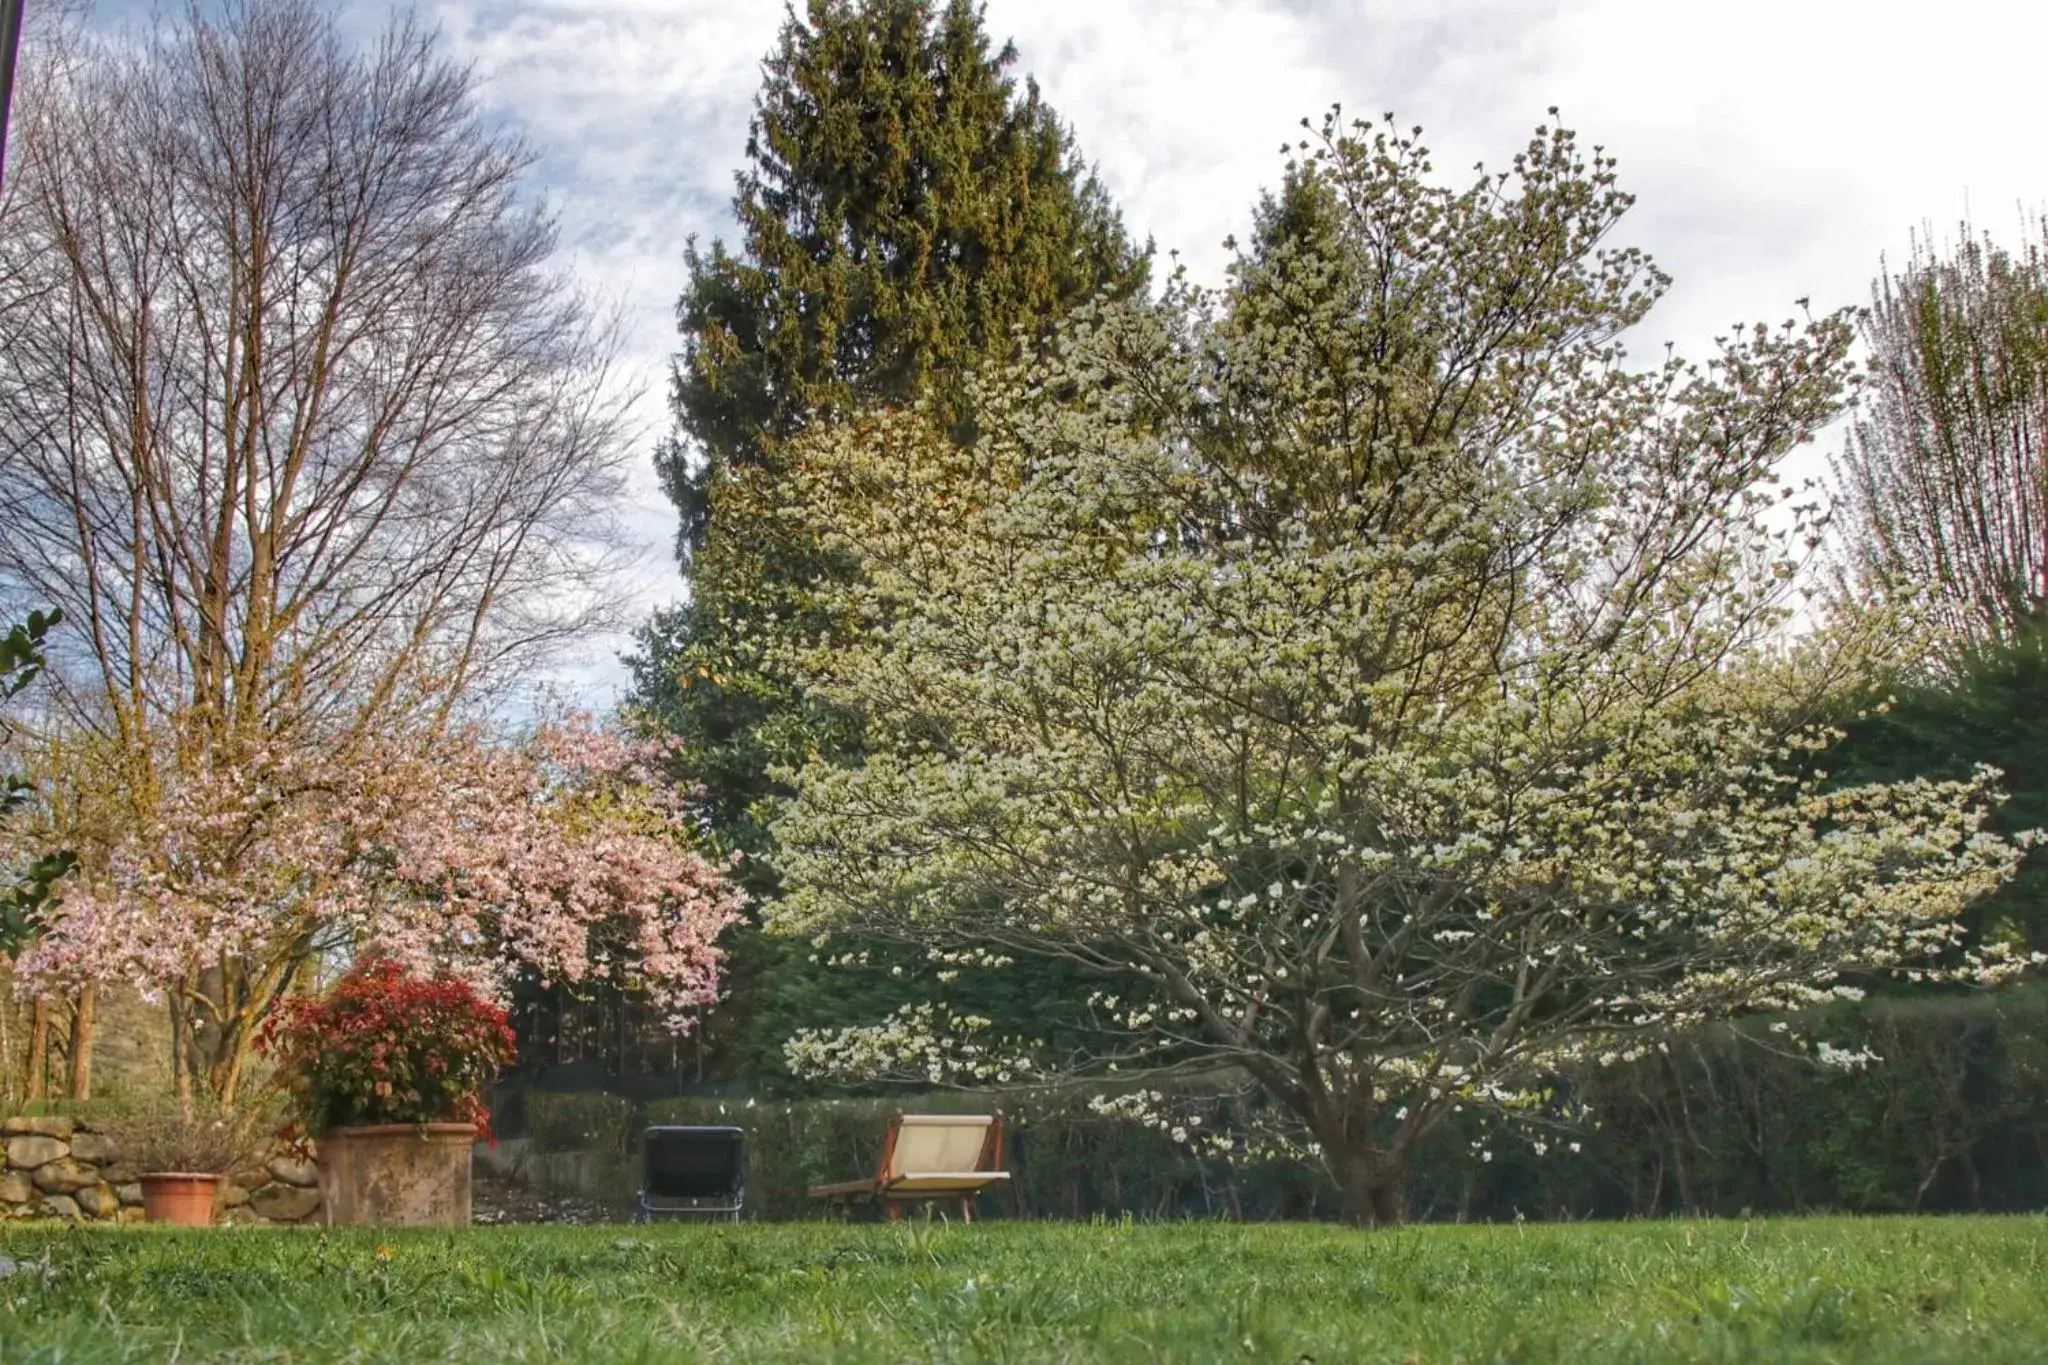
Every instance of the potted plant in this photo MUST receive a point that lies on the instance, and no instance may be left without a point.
(388, 1071)
(183, 1157)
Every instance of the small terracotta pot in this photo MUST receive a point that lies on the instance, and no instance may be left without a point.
(185, 1197)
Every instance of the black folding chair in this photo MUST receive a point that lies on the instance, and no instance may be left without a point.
(688, 1172)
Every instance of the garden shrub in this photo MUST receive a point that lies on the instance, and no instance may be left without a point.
(579, 1122)
(385, 1046)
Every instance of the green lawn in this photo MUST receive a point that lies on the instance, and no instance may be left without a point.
(1960, 1289)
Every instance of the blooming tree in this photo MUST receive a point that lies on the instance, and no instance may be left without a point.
(1385, 688)
(318, 451)
(441, 851)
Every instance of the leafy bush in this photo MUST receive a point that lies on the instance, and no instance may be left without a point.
(387, 1047)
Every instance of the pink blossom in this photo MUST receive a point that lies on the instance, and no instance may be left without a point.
(452, 851)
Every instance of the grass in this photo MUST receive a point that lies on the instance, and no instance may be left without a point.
(1899, 1289)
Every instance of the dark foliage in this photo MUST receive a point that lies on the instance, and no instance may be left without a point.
(385, 1046)
(1987, 706)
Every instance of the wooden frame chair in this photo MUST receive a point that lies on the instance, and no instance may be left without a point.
(929, 1157)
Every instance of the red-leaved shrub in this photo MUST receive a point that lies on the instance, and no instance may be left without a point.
(385, 1046)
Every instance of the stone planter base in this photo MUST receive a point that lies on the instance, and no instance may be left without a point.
(185, 1197)
(396, 1175)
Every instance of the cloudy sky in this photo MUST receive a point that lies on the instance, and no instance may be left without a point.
(1778, 148)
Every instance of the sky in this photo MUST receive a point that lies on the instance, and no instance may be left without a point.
(1779, 149)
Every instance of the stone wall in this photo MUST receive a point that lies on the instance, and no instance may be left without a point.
(63, 1168)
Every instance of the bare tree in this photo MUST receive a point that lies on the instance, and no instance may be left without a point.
(1945, 477)
(299, 426)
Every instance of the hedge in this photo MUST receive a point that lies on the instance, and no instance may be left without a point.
(1733, 1120)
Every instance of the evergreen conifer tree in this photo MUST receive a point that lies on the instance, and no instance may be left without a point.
(909, 214)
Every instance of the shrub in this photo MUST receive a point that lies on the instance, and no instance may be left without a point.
(573, 1122)
(171, 1138)
(387, 1047)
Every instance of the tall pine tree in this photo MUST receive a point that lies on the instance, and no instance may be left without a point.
(905, 210)
(909, 213)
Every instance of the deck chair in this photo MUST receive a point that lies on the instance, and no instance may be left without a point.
(687, 1172)
(929, 1157)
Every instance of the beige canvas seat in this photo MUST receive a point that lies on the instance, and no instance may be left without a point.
(928, 1157)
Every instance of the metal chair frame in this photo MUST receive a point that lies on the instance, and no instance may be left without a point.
(651, 1204)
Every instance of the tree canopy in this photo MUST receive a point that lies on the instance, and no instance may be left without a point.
(1945, 474)
(1372, 678)
(313, 444)
(906, 211)
(453, 851)
(910, 214)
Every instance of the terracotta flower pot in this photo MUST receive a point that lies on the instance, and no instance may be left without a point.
(185, 1197)
(396, 1175)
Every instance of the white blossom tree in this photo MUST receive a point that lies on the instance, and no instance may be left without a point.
(1384, 687)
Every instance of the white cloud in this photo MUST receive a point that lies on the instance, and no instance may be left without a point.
(1778, 147)
(1185, 108)
(638, 110)
(1182, 117)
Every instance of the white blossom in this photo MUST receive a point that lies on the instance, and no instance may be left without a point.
(1399, 731)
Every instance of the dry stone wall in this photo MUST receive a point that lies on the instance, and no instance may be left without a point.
(62, 1168)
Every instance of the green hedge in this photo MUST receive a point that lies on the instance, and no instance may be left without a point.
(1954, 1117)
(579, 1121)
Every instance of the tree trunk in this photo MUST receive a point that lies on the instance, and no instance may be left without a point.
(181, 1058)
(38, 1049)
(1372, 1187)
(253, 995)
(84, 1028)
(225, 1079)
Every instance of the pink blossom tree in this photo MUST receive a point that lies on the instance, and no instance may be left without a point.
(450, 850)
